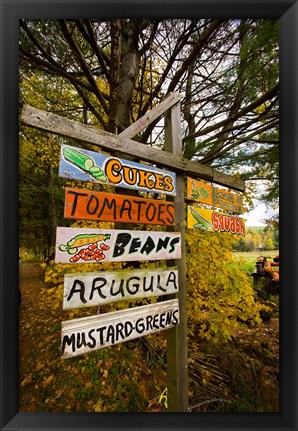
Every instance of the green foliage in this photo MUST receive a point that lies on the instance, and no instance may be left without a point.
(220, 294)
(52, 78)
(259, 59)
(74, 67)
(219, 291)
(258, 238)
(40, 191)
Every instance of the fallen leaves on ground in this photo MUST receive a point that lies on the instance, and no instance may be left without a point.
(108, 380)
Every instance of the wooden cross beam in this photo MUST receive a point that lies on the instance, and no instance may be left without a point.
(62, 126)
(177, 370)
(135, 128)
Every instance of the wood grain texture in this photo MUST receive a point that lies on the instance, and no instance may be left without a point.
(131, 131)
(87, 334)
(62, 126)
(91, 289)
(177, 368)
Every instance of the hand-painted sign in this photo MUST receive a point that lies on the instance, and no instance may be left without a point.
(209, 220)
(90, 205)
(87, 334)
(95, 288)
(79, 245)
(84, 165)
(206, 193)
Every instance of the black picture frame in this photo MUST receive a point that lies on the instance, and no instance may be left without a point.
(11, 12)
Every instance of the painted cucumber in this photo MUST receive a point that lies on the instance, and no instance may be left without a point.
(78, 159)
(98, 174)
(84, 162)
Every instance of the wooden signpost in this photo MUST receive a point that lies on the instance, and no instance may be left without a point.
(90, 205)
(92, 333)
(207, 193)
(83, 133)
(77, 245)
(96, 288)
(84, 165)
(213, 221)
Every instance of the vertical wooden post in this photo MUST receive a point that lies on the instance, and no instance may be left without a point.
(177, 370)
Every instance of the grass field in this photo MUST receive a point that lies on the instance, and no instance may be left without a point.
(247, 259)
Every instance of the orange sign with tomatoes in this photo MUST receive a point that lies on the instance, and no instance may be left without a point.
(90, 205)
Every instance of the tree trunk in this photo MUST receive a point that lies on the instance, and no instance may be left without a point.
(126, 59)
(130, 59)
(114, 75)
(190, 145)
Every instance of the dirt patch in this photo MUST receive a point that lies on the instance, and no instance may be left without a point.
(30, 285)
(239, 376)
